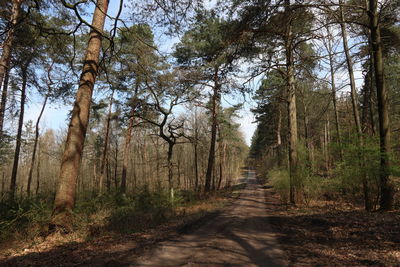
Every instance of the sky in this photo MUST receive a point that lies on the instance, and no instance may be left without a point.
(55, 116)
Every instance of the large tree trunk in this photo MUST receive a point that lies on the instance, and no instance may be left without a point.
(28, 188)
(291, 100)
(214, 111)
(105, 148)
(13, 183)
(386, 184)
(6, 57)
(71, 161)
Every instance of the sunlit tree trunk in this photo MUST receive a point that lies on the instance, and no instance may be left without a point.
(71, 161)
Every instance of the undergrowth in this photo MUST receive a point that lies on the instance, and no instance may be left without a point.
(94, 215)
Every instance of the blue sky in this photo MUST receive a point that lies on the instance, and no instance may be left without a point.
(55, 116)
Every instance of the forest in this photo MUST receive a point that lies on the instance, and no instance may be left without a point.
(127, 121)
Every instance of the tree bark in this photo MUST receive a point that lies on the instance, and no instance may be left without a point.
(28, 188)
(291, 102)
(71, 161)
(214, 111)
(279, 137)
(105, 149)
(3, 102)
(6, 57)
(386, 183)
(13, 183)
(355, 106)
(195, 147)
(128, 138)
(170, 166)
(349, 63)
(334, 100)
(38, 171)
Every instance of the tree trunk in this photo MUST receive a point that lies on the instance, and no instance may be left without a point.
(28, 188)
(127, 145)
(211, 156)
(105, 148)
(195, 147)
(116, 165)
(355, 106)
(334, 101)
(170, 166)
(38, 171)
(6, 57)
(71, 161)
(310, 164)
(279, 137)
(386, 183)
(349, 63)
(3, 102)
(291, 100)
(221, 164)
(366, 120)
(13, 183)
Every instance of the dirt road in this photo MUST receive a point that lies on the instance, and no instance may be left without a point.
(239, 236)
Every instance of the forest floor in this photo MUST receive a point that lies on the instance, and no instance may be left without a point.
(332, 234)
(108, 249)
(252, 228)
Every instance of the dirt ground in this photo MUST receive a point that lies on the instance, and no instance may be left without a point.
(253, 229)
(335, 235)
(240, 236)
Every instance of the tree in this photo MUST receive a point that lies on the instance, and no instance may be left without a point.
(386, 184)
(65, 196)
(6, 57)
(168, 92)
(205, 47)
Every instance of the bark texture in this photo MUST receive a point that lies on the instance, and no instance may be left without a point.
(214, 111)
(291, 101)
(386, 184)
(30, 174)
(13, 184)
(71, 161)
(6, 57)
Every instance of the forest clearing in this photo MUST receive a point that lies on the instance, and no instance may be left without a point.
(199, 133)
